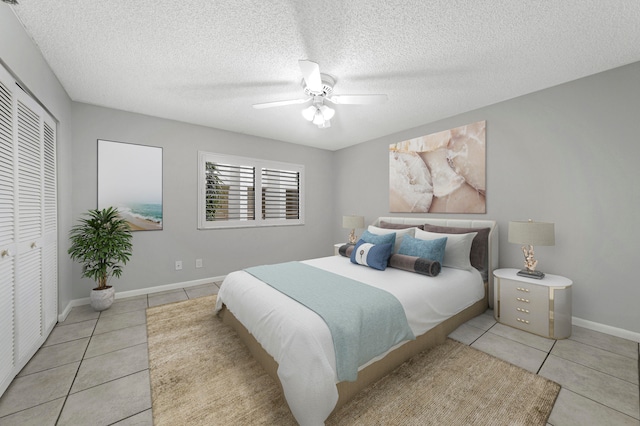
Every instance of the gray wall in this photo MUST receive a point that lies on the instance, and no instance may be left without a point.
(24, 59)
(568, 155)
(222, 251)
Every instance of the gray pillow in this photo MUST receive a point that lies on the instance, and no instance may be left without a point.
(479, 246)
(390, 225)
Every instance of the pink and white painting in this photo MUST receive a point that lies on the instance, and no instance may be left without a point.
(443, 172)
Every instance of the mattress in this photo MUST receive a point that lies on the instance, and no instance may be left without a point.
(300, 341)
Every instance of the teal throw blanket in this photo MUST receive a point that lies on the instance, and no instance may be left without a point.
(364, 321)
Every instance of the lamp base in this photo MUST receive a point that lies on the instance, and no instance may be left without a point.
(352, 237)
(531, 274)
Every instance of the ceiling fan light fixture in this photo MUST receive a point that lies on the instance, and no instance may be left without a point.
(318, 88)
(318, 118)
(327, 112)
(309, 112)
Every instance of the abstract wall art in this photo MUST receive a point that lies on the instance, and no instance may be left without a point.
(443, 172)
(130, 179)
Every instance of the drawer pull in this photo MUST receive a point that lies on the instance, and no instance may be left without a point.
(522, 321)
(520, 299)
(526, 311)
(526, 290)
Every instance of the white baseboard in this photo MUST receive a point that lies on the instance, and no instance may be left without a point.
(139, 292)
(607, 329)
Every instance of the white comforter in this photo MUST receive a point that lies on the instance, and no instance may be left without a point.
(300, 342)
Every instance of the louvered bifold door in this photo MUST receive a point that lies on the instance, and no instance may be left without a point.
(30, 208)
(50, 248)
(7, 232)
(28, 227)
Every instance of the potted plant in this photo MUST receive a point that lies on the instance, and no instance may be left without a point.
(102, 243)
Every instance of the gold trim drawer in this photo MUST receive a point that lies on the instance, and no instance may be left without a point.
(541, 307)
(527, 310)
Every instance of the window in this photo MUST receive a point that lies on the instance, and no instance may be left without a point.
(231, 187)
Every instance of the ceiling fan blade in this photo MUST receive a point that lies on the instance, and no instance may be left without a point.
(281, 103)
(311, 74)
(357, 99)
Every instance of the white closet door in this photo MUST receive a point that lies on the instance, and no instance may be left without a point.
(50, 250)
(7, 233)
(28, 228)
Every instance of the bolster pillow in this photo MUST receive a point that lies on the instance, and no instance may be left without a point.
(415, 264)
(345, 250)
(419, 265)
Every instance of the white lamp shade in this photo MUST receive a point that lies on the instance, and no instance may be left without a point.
(318, 119)
(353, 222)
(532, 233)
(309, 113)
(327, 112)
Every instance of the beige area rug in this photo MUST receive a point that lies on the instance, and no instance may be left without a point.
(201, 374)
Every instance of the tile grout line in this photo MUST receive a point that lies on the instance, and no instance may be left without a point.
(591, 368)
(79, 365)
(128, 417)
(109, 381)
(599, 403)
(54, 367)
(603, 349)
(116, 350)
(546, 357)
(75, 376)
(483, 333)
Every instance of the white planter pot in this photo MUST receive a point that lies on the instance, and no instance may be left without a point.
(102, 299)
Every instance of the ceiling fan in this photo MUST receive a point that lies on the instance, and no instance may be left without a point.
(318, 88)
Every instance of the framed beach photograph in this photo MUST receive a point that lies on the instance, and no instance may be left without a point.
(130, 179)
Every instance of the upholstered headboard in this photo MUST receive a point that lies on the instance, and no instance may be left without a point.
(492, 255)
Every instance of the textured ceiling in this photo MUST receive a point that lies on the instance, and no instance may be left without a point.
(206, 62)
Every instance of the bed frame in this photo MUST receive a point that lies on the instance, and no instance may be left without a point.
(433, 337)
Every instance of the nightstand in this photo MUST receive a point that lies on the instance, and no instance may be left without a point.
(541, 307)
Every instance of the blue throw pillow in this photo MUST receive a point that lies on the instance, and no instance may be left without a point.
(371, 238)
(428, 249)
(375, 256)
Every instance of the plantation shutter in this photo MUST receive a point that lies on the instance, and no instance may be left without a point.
(230, 192)
(241, 192)
(280, 194)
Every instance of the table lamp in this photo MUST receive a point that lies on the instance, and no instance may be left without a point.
(531, 234)
(353, 222)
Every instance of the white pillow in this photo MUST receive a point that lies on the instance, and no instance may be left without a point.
(457, 250)
(400, 233)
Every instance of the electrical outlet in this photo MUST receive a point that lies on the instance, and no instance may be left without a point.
(198, 263)
(178, 265)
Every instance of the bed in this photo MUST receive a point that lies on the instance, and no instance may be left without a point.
(294, 344)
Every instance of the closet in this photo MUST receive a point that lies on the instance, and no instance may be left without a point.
(28, 227)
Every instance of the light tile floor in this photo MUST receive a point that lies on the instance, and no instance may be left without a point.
(94, 368)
